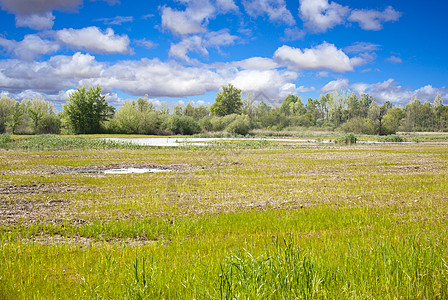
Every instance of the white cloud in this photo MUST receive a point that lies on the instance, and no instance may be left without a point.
(191, 20)
(360, 47)
(145, 43)
(336, 85)
(226, 5)
(29, 7)
(219, 38)
(38, 21)
(77, 66)
(373, 19)
(270, 83)
(181, 49)
(29, 48)
(93, 39)
(293, 34)
(257, 63)
(324, 56)
(320, 15)
(118, 20)
(199, 44)
(390, 90)
(157, 79)
(394, 59)
(276, 10)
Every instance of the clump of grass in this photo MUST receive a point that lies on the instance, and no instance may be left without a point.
(244, 144)
(286, 272)
(347, 139)
(393, 138)
(411, 269)
(48, 142)
(5, 139)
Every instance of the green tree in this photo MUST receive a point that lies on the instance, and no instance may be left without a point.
(86, 110)
(16, 117)
(6, 108)
(228, 101)
(377, 113)
(38, 110)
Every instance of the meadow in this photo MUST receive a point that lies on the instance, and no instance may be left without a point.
(240, 220)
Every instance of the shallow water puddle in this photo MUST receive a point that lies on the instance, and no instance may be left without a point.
(134, 170)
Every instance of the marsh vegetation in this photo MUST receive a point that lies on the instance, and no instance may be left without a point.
(240, 219)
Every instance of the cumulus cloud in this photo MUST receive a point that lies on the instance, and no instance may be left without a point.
(336, 85)
(257, 63)
(199, 44)
(324, 56)
(390, 90)
(93, 39)
(191, 20)
(270, 83)
(226, 5)
(30, 7)
(373, 19)
(38, 21)
(275, 10)
(159, 79)
(181, 49)
(29, 48)
(320, 15)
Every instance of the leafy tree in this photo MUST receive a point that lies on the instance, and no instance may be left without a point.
(6, 108)
(228, 101)
(37, 110)
(392, 119)
(377, 113)
(16, 117)
(86, 110)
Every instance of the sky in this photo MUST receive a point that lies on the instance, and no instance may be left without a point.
(182, 50)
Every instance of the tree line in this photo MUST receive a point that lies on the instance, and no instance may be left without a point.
(87, 111)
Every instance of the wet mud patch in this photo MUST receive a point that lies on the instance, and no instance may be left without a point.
(105, 169)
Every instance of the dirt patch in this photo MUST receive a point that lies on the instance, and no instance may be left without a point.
(57, 239)
(28, 212)
(97, 170)
(35, 189)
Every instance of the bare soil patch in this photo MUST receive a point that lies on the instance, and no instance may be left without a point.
(28, 212)
(81, 241)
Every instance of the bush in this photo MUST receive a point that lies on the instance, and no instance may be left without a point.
(5, 139)
(181, 125)
(359, 125)
(347, 139)
(241, 126)
(49, 124)
(393, 138)
(220, 123)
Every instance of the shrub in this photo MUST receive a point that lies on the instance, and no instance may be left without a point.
(241, 126)
(347, 139)
(393, 138)
(182, 125)
(5, 139)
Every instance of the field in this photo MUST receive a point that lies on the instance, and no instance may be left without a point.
(252, 220)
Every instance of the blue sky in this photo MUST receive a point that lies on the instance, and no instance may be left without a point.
(187, 49)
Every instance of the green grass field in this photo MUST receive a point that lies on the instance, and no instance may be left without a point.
(257, 221)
